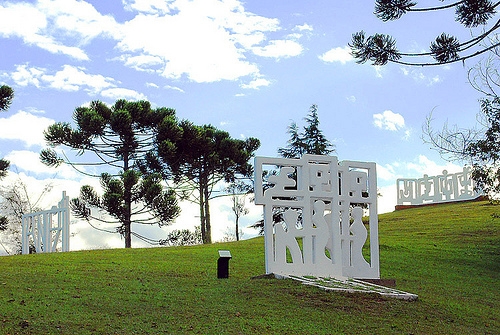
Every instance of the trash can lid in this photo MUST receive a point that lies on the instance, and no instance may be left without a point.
(224, 253)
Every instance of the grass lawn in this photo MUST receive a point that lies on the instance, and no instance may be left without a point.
(447, 254)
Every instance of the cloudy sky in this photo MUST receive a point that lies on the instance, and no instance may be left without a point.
(250, 68)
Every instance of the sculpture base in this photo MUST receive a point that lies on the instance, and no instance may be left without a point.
(350, 285)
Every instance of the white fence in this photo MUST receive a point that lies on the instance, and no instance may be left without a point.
(45, 229)
(435, 189)
(321, 204)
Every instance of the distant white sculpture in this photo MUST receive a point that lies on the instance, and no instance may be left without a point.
(443, 188)
(47, 228)
(320, 203)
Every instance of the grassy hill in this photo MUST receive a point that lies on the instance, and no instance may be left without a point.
(447, 254)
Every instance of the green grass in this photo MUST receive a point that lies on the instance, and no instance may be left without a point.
(448, 254)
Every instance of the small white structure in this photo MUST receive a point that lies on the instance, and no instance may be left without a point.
(442, 188)
(313, 209)
(47, 228)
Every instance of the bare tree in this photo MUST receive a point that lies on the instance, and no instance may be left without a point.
(15, 201)
(238, 191)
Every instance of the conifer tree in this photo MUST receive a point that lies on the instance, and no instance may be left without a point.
(6, 96)
(198, 158)
(310, 141)
(474, 15)
(119, 137)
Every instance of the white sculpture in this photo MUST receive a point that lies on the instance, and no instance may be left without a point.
(442, 188)
(47, 228)
(321, 203)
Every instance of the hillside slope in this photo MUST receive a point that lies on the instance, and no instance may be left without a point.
(448, 254)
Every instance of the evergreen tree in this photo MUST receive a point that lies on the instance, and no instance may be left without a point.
(198, 158)
(119, 137)
(6, 96)
(310, 141)
(381, 48)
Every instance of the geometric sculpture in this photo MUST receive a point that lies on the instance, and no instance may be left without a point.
(442, 188)
(46, 228)
(313, 216)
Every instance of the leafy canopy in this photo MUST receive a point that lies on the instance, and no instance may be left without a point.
(199, 157)
(120, 137)
(381, 48)
(6, 96)
(310, 141)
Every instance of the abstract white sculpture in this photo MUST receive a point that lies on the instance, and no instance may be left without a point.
(442, 188)
(47, 228)
(320, 205)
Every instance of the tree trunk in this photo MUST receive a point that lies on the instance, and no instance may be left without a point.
(128, 235)
(208, 228)
(127, 195)
(206, 231)
(202, 214)
(237, 228)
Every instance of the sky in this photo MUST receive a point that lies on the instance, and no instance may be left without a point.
(246, 67)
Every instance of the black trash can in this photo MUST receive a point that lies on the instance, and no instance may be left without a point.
(223, 264)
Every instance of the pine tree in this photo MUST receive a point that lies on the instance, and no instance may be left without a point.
(119, 137)
(381, 48)
(198, 158)
(6, 96)
(310, 141)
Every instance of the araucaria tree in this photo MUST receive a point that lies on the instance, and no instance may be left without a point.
(478, 146)
(119, 138)
(6, 96)
(198, 158)
(381, 48)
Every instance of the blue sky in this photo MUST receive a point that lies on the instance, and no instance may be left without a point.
(249, 68)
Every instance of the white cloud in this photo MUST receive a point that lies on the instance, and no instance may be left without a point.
(204, 51)
(389, 120)
(143, 62)
(420, 77)
(58, 26)
(387, 201)
(147, 6)
(29, 162)
(351, 98)
(279, 49)
(424, 165)
(123, 93)
(153, 85)
(174, 88)
(256, 84)
(24, 127)
(303, 27)
(24, 75)
(386, 172)
(342, 55)
(215, 36)
(72, 78)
